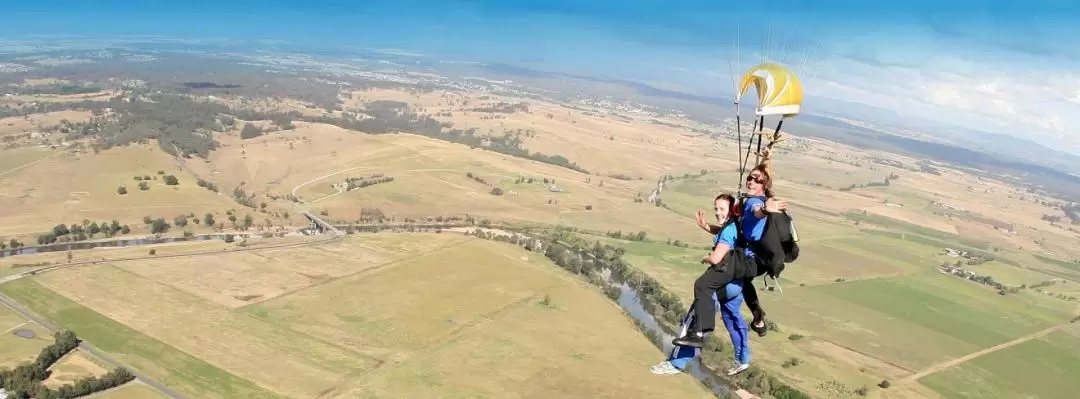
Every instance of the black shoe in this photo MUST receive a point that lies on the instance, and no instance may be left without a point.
(761, 330)
(759, 318)
(690, 339)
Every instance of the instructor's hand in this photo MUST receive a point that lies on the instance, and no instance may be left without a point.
(773, 205)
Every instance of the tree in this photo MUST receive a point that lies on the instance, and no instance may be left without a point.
(94, 228)
(248, 222)
(250, 131)
(121, 190)
(180, 221)
(143, 186)
(171, 180)
(159, 226)
(496, 191)
(125, 229)
(208, 219)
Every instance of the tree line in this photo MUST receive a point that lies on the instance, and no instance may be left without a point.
(25, 381)
(353, 183)
(81, 232)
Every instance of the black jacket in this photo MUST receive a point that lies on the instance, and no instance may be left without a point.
(778, 245)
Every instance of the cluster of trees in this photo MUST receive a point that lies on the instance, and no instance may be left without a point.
(503, 108)
(81, 232)
(207, 185)
(353, 183)
(481, 180)
(530, 180)
(24, 382)
(243, 198)
(619, 235)
(371, 215)
(883, 183)
(13, 244)
(250, 131)
(144, 184)
(395, 116)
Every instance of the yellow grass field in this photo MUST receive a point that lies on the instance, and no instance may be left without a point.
(389, 315)
(40, 122)
(69, 188)
(71, 368)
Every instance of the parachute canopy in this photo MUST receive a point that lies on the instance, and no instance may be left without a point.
(778, 89)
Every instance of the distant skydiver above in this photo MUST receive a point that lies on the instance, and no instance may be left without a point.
(759, 249)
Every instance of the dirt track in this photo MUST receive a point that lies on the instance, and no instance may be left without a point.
(952, 362)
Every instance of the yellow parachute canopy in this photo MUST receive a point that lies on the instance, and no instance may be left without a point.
(778, 89)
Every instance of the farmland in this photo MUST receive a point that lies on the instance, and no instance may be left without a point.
(418, 314)
(328, 345)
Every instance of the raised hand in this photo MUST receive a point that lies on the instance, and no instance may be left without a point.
(773, 205)
(701, 222)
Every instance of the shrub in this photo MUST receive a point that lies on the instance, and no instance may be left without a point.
(121, 190)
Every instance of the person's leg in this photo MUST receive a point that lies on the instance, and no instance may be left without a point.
(712, 280)
(681, 356)
(739, 336)
(754, 304)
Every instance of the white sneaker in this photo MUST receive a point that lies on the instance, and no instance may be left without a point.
(664, 368)
(737, 368)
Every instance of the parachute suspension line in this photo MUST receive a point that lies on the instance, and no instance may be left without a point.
(738, 133)
(760, 131)
(744, 160)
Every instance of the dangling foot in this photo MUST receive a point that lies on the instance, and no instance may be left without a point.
(737, 368)
(758, 324)
(759, 327)
(694, 339)
(665, 368)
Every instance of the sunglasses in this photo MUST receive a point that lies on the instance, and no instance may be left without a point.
(756, 179)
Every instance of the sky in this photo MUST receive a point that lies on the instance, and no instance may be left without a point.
(1009, 67)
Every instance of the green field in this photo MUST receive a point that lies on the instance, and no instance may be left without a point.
(1039, 368)
(133, 390)
(893, 313)
(188, 375)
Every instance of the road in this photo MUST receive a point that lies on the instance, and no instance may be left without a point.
(86, 346)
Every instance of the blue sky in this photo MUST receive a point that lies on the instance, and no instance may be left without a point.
(1003, 66)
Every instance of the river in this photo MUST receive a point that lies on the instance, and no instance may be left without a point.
(630, 301)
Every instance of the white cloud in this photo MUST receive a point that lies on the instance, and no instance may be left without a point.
(997, 90)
